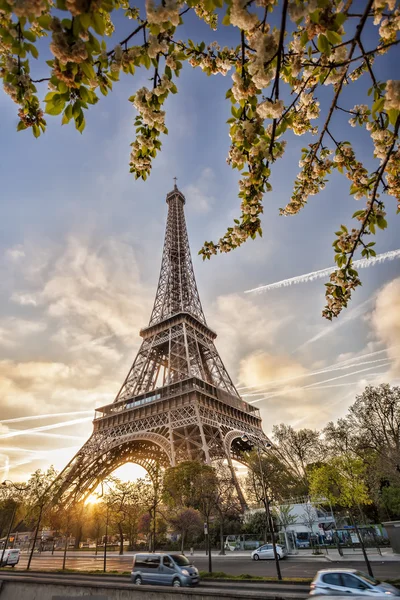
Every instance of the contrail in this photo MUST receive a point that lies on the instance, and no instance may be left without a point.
(47, 416)
(354, 313)
(322, 371)
(332, 367)
(11, 434)
(304, 387)
(359, 264)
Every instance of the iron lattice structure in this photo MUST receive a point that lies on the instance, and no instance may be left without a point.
(177, 402)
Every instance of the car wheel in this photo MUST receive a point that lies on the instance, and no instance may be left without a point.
(256, 557)
(138, 580)
(176, 583)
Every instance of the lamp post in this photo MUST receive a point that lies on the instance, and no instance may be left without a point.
(5, 483)
(266, 501)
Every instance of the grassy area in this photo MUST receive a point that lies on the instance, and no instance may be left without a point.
(203, 575)
(245, 576)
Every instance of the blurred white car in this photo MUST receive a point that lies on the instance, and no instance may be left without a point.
(11, 557)
(343, 582)
(267, 552)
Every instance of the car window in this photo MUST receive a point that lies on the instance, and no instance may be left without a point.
(352, 582)
(152, 562)
(180, 560)
(366, 578)
(332, 579)
(140, 561)
(167, 562)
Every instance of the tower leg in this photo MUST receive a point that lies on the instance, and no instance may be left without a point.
(203, 437)
(240, 494)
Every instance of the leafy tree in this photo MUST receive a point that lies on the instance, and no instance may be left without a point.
(186, 522)
(375, 419)
(279, 480)
(96, 522)
(256, 523)
(342, 481)
(390, 498)
(123, 501)
(298, 450)
(283, 514)
(227, 502)
(278, 77)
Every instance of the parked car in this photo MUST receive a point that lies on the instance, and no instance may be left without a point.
(267, 552)
(164, 569)
(11, 557)
(302, 543)
(342, 582)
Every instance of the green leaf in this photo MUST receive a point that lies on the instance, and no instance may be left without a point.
(29, 35)
(304, 38)
(85, 20)
(21, 126)
(226, 20)
(44, 21)
(98, 23)
(54, 110)
(333, 37)
(88, 70)
(323, 44)
(393, 115)
(377, 106)
(35, 130)
(32, 49)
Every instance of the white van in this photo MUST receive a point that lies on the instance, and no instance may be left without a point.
(11, 557)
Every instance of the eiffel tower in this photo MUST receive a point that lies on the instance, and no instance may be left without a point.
(177, 402)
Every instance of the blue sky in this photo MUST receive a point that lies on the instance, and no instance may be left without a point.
(80, 250)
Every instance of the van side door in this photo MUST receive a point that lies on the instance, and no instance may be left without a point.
(153, 573)
(168, 570)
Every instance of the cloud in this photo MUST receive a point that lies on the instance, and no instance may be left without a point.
(198, 194)
(14, 332)
(385, 321)
(89, 301)
(261, 368)
(15, 253)
(243, 326)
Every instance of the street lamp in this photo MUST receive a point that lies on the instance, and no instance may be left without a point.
(266, 502)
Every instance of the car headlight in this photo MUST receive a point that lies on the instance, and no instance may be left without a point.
(185, 572)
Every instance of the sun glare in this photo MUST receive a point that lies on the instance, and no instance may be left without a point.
(129, 472)
(92, 499)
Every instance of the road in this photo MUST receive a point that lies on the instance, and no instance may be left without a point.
(239, 588)
(232, 565)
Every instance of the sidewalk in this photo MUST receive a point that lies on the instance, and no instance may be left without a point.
(373, 555)
(331, 556)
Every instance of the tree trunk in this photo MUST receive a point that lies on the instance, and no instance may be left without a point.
(121, 539)
(221, 537)
(97, 544)
(78, 537)
(65, 552)
(183, 542)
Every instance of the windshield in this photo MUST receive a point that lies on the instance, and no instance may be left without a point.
(366, 578)
(180, 560)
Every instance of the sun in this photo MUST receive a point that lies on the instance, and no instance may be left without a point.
(92, 499)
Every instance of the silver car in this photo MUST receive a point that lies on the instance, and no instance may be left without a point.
(342, 582)
(163, 569)
(266, 552)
